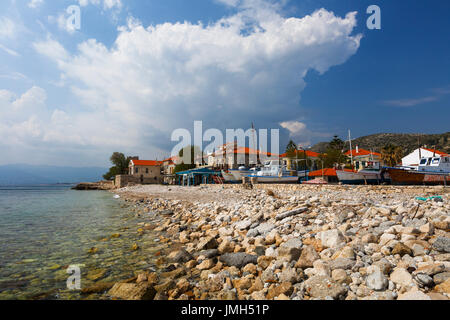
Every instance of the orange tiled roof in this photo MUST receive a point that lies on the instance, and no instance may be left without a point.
(171, 160)
(437, 152)
(146, 162)
(362, 152)
(326, 172)
(244, 150)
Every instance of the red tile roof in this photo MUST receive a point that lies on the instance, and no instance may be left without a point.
(149, 163)
(362, 152)
(326, 172)
(244, 150)
(170, 160)
(437, 152)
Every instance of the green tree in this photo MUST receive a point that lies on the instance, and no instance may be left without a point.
(334, 154)
(120, 165)
(391, 154)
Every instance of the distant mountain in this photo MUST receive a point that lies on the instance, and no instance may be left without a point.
(409, 142)
(22, 174)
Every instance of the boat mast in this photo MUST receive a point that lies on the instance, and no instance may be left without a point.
(351, 151)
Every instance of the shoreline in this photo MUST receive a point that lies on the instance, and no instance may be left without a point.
(293, 242)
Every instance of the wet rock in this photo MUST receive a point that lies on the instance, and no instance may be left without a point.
(239, 259)
(131, 291)
(179, 256)
(98, 288)
(322, 287)
(96, 274)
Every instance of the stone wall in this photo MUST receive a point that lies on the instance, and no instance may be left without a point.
(125, 180)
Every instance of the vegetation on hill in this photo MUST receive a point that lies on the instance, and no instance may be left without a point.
(408, 142)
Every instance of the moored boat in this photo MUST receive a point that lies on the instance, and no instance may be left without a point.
(360, 177)
(228, 177)
(274, 172)
(432, 170)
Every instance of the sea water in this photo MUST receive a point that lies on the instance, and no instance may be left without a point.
(46, 229)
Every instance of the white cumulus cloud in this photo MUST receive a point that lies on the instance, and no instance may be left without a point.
(248, 67)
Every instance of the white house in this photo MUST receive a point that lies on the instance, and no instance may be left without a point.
(413, 158)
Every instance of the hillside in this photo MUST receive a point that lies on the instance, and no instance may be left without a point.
(409, 141)
(21, 174)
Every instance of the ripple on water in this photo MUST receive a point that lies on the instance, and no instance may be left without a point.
(48, 229)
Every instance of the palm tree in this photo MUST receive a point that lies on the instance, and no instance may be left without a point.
(391, 154)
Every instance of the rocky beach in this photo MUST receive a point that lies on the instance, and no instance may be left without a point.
(290, 242)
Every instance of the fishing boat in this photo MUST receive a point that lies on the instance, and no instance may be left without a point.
(241, 172)
(360, 177)
(371, 174)
(228, 177)
(431, 170)
(274, 171)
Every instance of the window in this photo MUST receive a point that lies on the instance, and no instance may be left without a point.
(136, 170)
(423, 161)
(146, 170)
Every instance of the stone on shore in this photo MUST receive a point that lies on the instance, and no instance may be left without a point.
(238, 259)
(413, 295)
(132, 291)
(376, 280)
(323, 287)
(442, 244)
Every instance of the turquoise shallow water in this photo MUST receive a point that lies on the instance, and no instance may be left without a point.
(45, 229)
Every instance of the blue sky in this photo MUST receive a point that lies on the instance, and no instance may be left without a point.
(136, 70)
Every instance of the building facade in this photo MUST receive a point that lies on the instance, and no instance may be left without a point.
(146, 171)
(363, 159)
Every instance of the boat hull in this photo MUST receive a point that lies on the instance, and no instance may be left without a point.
(275, 179)
(348, 177)
(228, 177)
(409, 177)
(239, 174)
